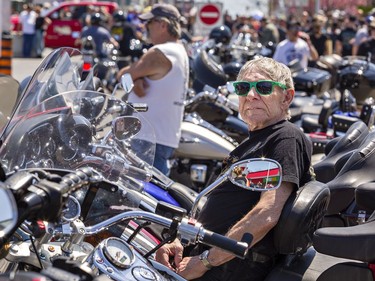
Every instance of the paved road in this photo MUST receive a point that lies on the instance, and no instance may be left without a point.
(23, 67)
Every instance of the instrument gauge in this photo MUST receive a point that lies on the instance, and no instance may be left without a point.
(72, 209)
(143, 273)
(118, 252)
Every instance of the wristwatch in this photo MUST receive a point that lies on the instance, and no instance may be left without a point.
(204, 258)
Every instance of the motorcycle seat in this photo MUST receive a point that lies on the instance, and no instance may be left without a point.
(353, 242)
(312, 123)
(329, 166)
(356, 171)
(365, 197)
(185, 196)
(301, 216)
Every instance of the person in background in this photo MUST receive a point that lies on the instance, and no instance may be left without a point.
(27, 19)
(322, 43)
(297, 46)
(367, 47)
(305, 21)
(361, 35)
(161, 80)
(281, 27)
(345, 40)
(268, 32)
(41, 24)
(124, 32)
(99, 33)
(265, 91)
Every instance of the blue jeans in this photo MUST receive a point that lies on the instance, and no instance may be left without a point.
(162, 154)
(27, 44)
(39, 42)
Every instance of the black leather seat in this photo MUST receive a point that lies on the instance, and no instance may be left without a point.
(365, 197)
(313, 123)
(185, 196)
(356, 171)
(328, 168)
(354, 242)
(301, 216)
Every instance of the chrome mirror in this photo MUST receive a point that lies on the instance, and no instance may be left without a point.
(9, 213)
(256, 174)
(127, 82)
(126, 127)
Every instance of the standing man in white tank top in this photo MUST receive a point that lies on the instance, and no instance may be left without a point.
(161, 80)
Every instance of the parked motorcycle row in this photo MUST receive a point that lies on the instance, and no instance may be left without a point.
(81, 199)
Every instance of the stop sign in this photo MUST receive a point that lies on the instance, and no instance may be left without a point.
(209, 14)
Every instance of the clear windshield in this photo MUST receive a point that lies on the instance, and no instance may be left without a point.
(59, 72)
(82, 128)
(61, 122)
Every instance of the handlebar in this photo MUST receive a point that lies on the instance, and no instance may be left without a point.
(190, 231)
(73, 181)
(210, 238)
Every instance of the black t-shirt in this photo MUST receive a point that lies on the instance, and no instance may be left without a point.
(39, 21)
(319, 43)
(366, 47)
(345, 37)
(227, 204)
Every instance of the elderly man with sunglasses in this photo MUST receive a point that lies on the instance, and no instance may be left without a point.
(161, 80)
(265, 90)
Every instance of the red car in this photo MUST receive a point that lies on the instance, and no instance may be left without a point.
(66, 22)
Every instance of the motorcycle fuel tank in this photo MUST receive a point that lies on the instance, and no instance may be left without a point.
(198, 142)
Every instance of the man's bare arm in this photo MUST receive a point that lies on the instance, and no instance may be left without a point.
(259, 221)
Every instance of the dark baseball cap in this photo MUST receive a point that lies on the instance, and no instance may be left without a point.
(161, 10)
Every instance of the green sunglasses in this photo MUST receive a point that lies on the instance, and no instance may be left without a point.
(262, 87)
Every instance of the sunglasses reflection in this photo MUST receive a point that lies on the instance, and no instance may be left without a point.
(262, 87)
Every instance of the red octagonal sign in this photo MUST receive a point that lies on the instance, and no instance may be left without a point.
(209, 14)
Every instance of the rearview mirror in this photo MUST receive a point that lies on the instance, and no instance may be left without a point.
(127, 82)
(256, 174)
(126, 127)
(9, 213)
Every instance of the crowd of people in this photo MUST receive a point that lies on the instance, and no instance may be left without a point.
(308, 36)
(323, 33)
(32, 23)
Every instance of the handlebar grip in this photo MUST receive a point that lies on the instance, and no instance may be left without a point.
(217, 240)
(140, 107)
(135, 172)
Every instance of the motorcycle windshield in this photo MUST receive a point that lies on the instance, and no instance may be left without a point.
(59, 72)
(82, 128)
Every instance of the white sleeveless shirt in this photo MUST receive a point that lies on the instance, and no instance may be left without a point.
(165, 97)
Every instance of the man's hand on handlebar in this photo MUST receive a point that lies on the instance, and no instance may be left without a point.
(175, 250)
